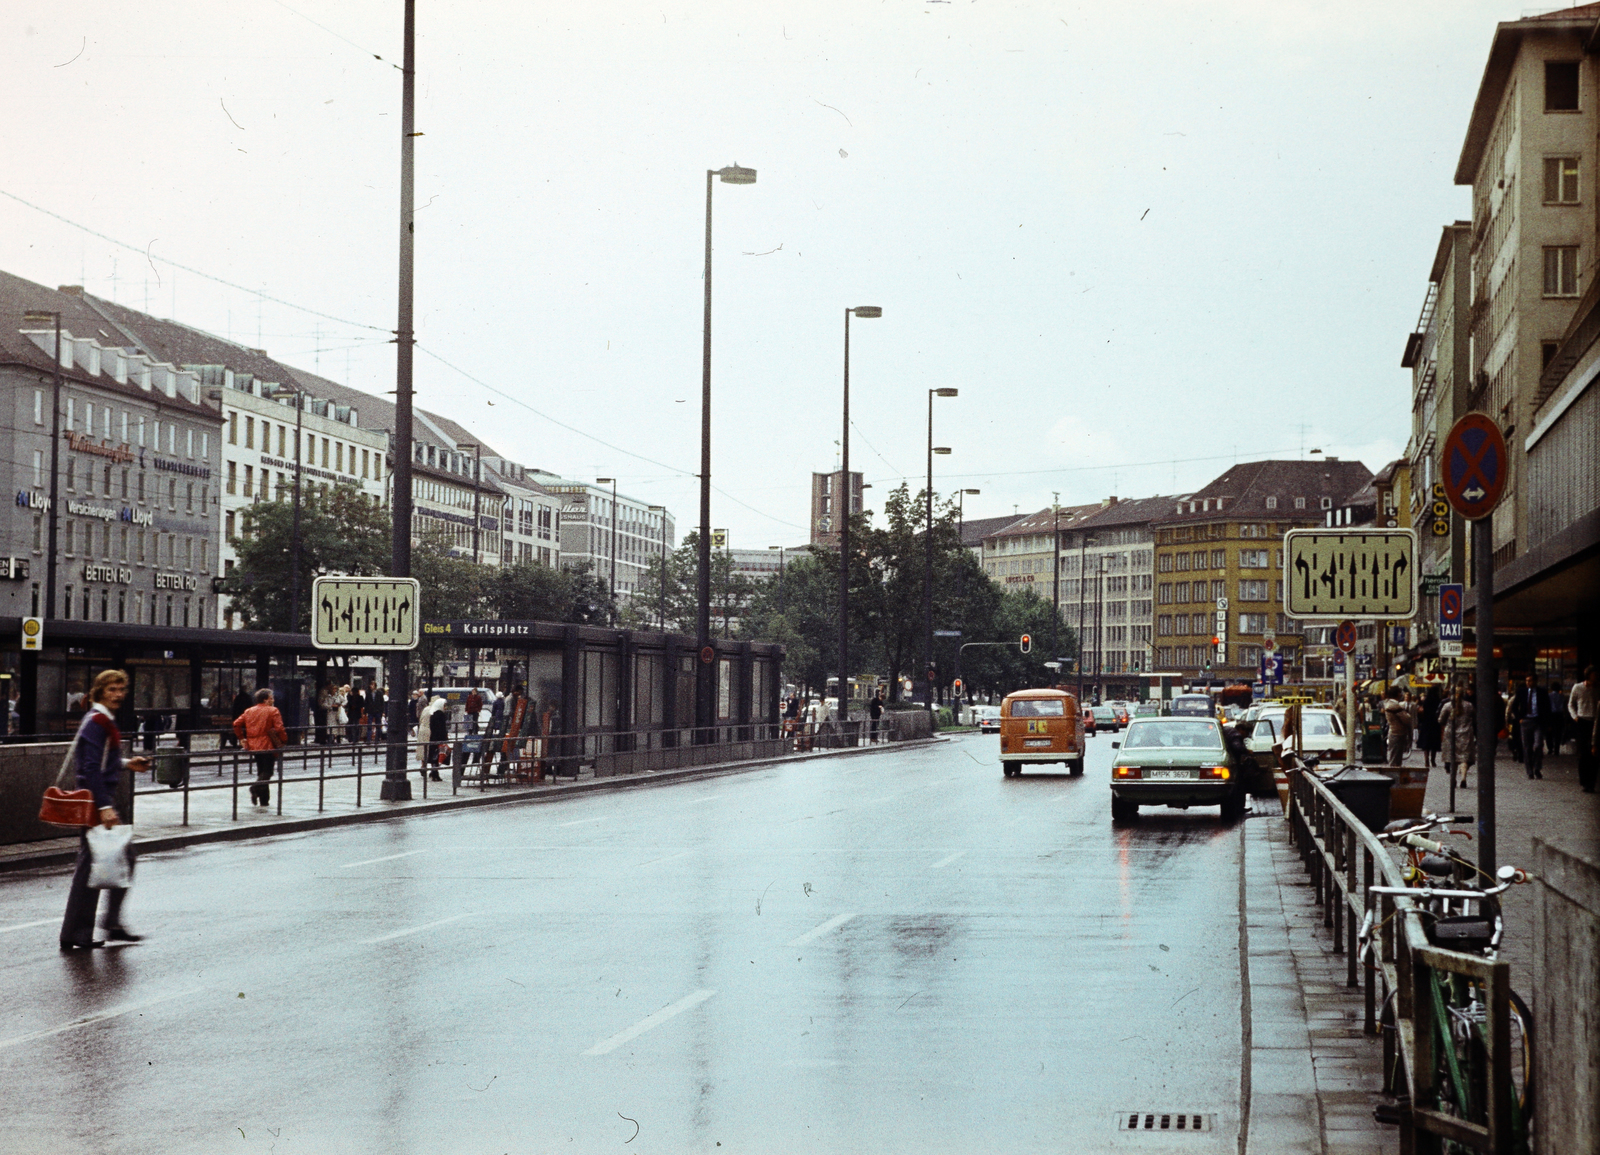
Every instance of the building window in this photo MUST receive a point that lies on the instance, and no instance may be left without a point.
(1272, 503)
(141, 547)
(1164, 625)
(1183, 592)
(233, 428)
(188, 442)
(72, 473)
(1561, 271)
(249, 432)
(1561, 86)
(249, 480)
(66, 605)
(1299, 503)
(1253, 591)
(1164, 594)
(38, 467)
(38, 540)
(1547, 353)
(122, 548)
(189, 506)
(233, 477)
(1560, 180)
(1252, 559)
(172, 494)
(205, 445)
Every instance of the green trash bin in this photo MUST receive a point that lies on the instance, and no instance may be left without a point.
(1374, 747)
(171, 767)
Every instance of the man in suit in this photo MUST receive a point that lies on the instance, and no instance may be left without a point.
(1531, 711)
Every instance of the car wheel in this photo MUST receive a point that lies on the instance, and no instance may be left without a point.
(1010, 769)
(1123, 810)
(1075, 767)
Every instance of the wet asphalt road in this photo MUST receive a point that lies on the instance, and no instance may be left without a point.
(895, 952)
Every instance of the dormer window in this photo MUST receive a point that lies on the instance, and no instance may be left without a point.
(1327, 503)
(1272, 503)
(1299, 503)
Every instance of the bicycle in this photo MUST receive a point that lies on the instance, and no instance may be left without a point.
(1466, 918)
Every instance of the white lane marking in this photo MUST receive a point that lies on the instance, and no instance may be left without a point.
(833, 923)
(650, 1023)
(100, 1017)
(415, 929)
(861, 769)
(943, 862)
(667, 858)
(26, 925)
(385, 858)
(707, 798)
(584, 821)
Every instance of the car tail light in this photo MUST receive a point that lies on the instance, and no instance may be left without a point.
(1218, 772)
(1127, 772)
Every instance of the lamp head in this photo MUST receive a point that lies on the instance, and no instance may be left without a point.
(946, 392)
(605, 481)
(733, 174)
(972, 492)
(941, 449)
(866, 311)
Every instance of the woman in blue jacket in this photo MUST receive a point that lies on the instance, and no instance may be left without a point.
(97, 756)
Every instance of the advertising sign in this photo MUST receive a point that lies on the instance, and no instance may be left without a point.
(1368, 574)
(350, 613)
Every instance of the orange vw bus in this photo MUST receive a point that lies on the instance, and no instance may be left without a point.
(1040, 726)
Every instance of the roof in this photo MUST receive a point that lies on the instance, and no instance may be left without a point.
(1243, 490)
(1046, 520)
(80, 318)
(974, 530)
(1128, 511)
(183, 345)
(1503, 51)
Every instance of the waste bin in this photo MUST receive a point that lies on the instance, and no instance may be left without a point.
(1364, 792)
(1373, 743)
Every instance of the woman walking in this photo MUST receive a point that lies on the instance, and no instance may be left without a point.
(97, 760)
(1458, 733)
(1428, 733)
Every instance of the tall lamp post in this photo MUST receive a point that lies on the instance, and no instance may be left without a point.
(661, 622)
(396, 786)
(781, 551)
(1099, 637)
(1055, 576)
(294, 537)
(961, 528)
(612, 482)
(866, 312)
(29, 666)
(477, 497)
(733, 174)
(927, 580)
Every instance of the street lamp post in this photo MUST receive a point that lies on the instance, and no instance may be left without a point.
(733, 174)
(961, 574)
(612, 482)
(1099, 637)
(865, 312)
(1055, 576)
(40, 317)
(477, 498)
(294, 536)
(396, 786)
(927, 582)
(781, 552)
(1083, 586)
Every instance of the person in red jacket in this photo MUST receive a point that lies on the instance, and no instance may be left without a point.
(260, 730)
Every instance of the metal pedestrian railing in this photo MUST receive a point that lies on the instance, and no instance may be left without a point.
(1345, 861)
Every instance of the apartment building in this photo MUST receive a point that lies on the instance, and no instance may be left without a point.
(1108, 590)
(1219, 565)
(1021, 552)
(595, 528)
(1531, 160)
(137, 526)
(530, 519)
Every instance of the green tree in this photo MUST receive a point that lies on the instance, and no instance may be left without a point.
(341, 532)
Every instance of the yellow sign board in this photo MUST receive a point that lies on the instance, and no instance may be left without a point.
(354, 613)
(33, 633)
(1366, 574)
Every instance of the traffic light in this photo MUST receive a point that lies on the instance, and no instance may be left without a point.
(957, 687)
(1027, 643)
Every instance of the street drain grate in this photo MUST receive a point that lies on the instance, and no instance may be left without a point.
(1169, 1121)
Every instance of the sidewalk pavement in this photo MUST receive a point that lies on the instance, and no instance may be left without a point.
(158, 815)
(1314, 1076)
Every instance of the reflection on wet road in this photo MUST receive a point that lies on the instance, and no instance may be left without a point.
(901, 952)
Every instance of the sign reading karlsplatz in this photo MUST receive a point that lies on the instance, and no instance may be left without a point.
(1350, 573)
(353, 613)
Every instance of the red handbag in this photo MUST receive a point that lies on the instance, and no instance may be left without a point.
(74, 808)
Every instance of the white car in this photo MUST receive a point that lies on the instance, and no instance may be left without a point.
(988, 719)
(1321, 732)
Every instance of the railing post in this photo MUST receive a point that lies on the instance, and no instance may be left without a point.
(1499, 1091)
(236, 789)
(1370, 1024)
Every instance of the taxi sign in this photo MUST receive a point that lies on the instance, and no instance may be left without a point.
(355, 613)
(1369, 574)
(1450, 605)
(33, 633)
(1345, 637)
(1474, 466)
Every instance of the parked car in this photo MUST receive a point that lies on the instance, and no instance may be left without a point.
(1321, 732)
(988, 718)
(1177, 762)
(1040, 725)
(1192, 706)
(1147, 710)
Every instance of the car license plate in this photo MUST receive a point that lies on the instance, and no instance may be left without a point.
(1158, 774)
(1037, 743)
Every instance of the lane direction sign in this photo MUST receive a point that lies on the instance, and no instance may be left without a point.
(356, 613)
(1475, 465)
(1369, 574)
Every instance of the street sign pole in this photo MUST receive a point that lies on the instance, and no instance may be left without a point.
(1487, 691)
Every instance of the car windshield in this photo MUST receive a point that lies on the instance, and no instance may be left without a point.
(1039, 708)
(1103, 712)
(1194, 707)
(1169, 734)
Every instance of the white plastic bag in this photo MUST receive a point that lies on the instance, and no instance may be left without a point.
(110, 863)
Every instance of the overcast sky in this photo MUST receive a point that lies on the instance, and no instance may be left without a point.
(1143, 240)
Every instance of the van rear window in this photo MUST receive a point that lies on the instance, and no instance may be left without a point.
(1039, 708)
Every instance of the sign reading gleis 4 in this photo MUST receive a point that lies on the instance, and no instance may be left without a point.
(351, 613)
(1350, 573)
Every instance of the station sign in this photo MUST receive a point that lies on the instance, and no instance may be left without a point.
(1367, 574)
(354, 613)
